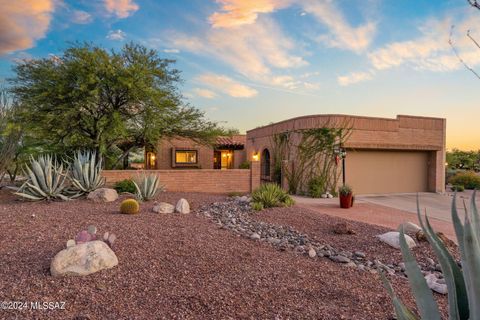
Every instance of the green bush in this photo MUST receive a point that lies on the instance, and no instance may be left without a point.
(468, 179)
(458, 188)
(463, 283)
(316, 187)
(126, 185)
(270, 195)
(244, 165)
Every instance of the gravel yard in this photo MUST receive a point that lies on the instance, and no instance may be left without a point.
(185, 266)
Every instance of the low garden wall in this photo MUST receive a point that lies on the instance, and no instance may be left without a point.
(195, 180)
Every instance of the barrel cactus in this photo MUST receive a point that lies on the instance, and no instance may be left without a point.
(129, 206)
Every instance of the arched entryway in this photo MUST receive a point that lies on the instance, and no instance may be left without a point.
(265, 170)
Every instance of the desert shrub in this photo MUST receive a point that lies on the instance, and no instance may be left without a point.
(257, 206)
(462, 282)
(468, 179)
(244, 165)
(316, 187)
(129, 206)
(126, 185)
(270, 195)
(458, 188)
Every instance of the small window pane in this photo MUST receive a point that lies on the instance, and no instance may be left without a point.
(186, 156)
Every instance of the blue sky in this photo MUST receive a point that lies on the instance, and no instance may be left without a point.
(252, 62)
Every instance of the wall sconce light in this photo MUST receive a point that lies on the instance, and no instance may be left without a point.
(152, 157)
(255, 156)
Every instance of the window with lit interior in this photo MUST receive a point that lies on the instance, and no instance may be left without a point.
(185, 156)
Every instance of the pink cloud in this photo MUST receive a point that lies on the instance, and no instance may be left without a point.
(22, 22)
(121, 8)
(239, 12)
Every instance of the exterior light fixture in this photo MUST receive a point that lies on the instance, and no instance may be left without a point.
(255, 156)
(152, 157)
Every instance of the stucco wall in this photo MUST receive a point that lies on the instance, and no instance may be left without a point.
(193, 180)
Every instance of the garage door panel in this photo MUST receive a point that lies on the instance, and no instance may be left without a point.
(387, 171)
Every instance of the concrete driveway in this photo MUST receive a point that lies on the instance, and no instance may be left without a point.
(437, 206)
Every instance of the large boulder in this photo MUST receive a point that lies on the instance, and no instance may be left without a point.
(409, 227)
(164, 207)
(182, 206)
(393, 239)
(103, 195)
(83, 259)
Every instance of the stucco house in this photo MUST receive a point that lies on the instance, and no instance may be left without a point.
(181, 153)
(405, 154)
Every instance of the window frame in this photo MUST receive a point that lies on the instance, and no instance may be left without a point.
(184, 164)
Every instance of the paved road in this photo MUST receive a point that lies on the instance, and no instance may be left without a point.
(436, 205)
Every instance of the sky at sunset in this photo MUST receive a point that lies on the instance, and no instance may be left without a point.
(249, 63)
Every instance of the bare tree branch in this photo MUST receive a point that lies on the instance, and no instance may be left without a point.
(473, 39)
(450, 42)
(474, 3)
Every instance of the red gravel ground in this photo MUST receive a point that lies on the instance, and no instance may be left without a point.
(184, 266)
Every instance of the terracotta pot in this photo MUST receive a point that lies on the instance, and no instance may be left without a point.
(346, 201)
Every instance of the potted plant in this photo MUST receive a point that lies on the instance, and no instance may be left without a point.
(346, 196)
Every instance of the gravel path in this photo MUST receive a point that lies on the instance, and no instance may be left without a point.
(182, 267)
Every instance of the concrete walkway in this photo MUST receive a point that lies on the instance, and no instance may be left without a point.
(438, 206)
(371, 210)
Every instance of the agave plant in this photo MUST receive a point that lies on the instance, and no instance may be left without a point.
(46, 180)
(463, 284)
(147, 187)
(86, 169)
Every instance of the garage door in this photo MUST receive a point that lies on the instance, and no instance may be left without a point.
(387, 171)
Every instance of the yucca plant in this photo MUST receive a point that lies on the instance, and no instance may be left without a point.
(147, 187)
(45, 180)
(86, 172)
(463, 284)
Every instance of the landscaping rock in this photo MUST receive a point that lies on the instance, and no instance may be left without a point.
(434, 284)
(255, 236)
(360, 254)
(420, 235)
(103, 195)
(393, 239)
(83, 259)
(182, 206)
(340, 259)
(312, 253)
(164, 207)
(343, 228)
(409, 227)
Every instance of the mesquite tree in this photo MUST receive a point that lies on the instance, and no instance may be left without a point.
(92, 98)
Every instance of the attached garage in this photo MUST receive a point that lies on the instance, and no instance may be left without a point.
(401, 155)
(387, 171)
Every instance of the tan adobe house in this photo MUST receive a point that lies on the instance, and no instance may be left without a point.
(179, 153)
(406, 154)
